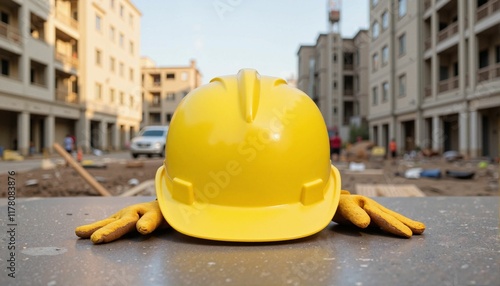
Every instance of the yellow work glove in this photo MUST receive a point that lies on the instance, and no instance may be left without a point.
(361, 211)
(145, 217)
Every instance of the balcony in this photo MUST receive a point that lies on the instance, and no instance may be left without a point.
(11, 33)
(487, 9)
(427, 44)
(65, 96)
(447, 32)
(66, 19)
(67, 59)
(448, 84)
(348, 92)
(427, 91)
(348, 67)
(488, 73)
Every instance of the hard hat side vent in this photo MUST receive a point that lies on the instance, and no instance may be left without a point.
(249, 91)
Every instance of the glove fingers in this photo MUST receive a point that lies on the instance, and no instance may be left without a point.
(415, 226)
(115, 229)
(349, 210)
(85, 231)
(149, 221)
(387, 222)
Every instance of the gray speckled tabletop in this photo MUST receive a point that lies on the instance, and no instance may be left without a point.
(461, 246)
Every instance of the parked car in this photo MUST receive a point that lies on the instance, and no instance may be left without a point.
(149, 141)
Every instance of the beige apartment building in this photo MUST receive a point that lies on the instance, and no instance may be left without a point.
(435, 75)
(347, 104)
(69, 67)
(163, 88)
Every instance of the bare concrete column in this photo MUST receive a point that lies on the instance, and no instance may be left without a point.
(463, 133)
(437, 134)
(49, 128)
(23, 132)
(474, 133)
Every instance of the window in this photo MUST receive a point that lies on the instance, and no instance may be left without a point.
(443, 73)
(112, 64)
(131, 19)
(375, 62)
(131, 100)
(122, 10)
(401, 8)
(98, 57)
(98, 91)
(4, 17)
(375, 30)
(385, 55)
(374, 96)
(131, 47)
(455, 69)
(498, 54)
(170, 96)
(483, 59)
(111, 95)
(98, 22)
(385, 20)
(121, 69)
(169, 117)
(5, 67)
(385, 91)
(170, 75)
(184, 76)
(402, 85)
(112, 3)
(112, 33)
(131, 74)
(121, 39)
(402, 44)
(156, 99)
(122, 97)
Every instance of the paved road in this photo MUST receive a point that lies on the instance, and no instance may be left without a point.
(36, 162)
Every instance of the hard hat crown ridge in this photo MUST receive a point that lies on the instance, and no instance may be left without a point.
(246, 155)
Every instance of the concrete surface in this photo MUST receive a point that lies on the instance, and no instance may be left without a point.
(461, 246)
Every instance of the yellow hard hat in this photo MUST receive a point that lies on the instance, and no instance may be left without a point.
(247, 159)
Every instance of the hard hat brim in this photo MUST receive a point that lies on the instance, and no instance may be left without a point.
(248, 224)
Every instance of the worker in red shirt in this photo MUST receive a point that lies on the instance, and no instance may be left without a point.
(335, 145)
(393, 148)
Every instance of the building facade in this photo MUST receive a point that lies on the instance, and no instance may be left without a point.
(435, 75)
(69, 67)
(163, 88)
(347, 104)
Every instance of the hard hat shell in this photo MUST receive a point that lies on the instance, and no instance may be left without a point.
(247, 159)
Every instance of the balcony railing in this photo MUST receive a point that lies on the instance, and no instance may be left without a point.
(487, 9)
(11, 76)
(489, 73)
(67, 59)
(447, 32)
(427, 91)
(448, 84)
(65, 96)
(427, 43)
(348, 67)
(348, 91)
(66, 19)
(10, 32)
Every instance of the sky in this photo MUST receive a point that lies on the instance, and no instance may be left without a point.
(224, 36)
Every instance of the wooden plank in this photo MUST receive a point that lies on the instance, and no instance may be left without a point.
(389, 190)
(365, 172)
(366, 190)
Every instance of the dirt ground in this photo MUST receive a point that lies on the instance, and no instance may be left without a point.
(116, 178)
